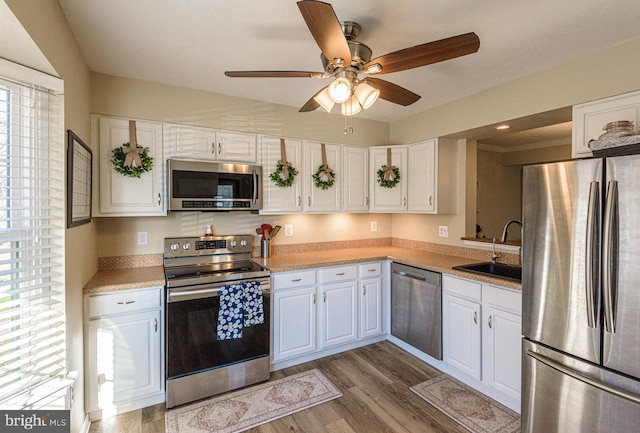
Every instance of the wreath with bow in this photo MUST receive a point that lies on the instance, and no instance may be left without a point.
(131, 160)
(324, 177)
(388, 175)
(285, 173)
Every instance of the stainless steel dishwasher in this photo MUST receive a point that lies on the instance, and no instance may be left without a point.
(416, 308)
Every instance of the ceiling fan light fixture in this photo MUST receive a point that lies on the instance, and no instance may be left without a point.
(325, 100)
(339, 90)
(351, 107)
(373, 69)
(366, 95)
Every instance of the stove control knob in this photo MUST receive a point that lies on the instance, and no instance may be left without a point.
(174, 247)
(186, 246)
(233, 244)
(243, 243)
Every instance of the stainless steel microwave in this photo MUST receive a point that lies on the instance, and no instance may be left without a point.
(213, 186)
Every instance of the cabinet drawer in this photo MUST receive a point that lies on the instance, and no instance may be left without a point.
(463, 288)
(340, 273)
(503, 299)
(370, 270)
(293, 279)
(125, 301)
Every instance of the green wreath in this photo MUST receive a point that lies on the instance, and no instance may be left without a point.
(388, 183)
(319, 183)
(118, 157)
(279, 181)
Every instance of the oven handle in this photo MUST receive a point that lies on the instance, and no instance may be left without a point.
(177, 295)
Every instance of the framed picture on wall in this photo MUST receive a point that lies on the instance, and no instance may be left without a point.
(79, 163)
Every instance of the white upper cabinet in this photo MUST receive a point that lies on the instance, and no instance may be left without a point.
(388, 199)
(590, 118)
(192, 142)
(432, 177)
(318, 200)
(276, 199)
(355, 185)
(119, 195)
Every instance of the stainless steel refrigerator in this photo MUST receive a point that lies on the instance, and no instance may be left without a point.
(581, 296)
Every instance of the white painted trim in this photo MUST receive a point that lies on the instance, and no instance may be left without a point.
(25, 75)
(86, 425)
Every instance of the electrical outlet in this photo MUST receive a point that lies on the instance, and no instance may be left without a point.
(288, 229)
(143, 238)
(374, 226)
(443, 231)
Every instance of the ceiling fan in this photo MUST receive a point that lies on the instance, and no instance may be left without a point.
(349, 62)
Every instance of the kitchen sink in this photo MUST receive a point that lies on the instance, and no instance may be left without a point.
(498, 270)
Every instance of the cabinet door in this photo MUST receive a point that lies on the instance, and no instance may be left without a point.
(294, 326)
(423, 172)
(355, 188)
(461, 334)
(128, 357)
(281, 200)
(501, 348)
(190, 142)
(318, 199)
(339, 308)
(233, 146)
(388, 199)
(129, 196)
(370, 307)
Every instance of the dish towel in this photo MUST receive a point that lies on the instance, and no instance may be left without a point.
(240, 305)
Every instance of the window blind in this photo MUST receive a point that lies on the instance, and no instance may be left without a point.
(32, 224)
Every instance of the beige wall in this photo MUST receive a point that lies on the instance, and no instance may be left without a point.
(578, 81)
(47, 26)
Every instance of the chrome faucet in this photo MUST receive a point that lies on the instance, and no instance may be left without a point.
(506, 228)
(494, 255)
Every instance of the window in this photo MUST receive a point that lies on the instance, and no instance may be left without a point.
(32, 222)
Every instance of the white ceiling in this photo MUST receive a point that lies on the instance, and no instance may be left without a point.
(191, 43)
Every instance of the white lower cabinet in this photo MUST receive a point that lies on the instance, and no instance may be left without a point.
(124, 354)
(482, 334)
(325, 308)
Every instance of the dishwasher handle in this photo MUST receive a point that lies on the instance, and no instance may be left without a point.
(408, 275)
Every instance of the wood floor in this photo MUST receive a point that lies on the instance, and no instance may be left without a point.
(374, 381)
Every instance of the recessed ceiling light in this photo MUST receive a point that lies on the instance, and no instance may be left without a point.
(503, 127)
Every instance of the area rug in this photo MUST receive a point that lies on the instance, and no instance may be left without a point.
(241, 410)
(468, 407)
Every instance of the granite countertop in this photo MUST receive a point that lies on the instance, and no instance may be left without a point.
(137, 278)
(422, 259)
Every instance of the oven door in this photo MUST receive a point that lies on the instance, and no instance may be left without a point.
(192, 344)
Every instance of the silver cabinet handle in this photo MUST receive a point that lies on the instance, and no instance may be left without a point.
(366, 201)
(586, 379)
(490, 323)
(159, 199)
(296, 280)
(339, 274)
(125, 302)
(213, 147)
(299, 200)
(324, 297)
(314, 299)
(371, 270)
(591, 265)
(155, 325)
(219, 148)
(475, 317)
(609, 245)
(309, 200)
(364, 291)
(430, 200)
(404, 201)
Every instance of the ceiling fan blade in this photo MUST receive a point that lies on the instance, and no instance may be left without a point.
(392, 92)
(426, 54)
(325, 28)
(311, 104)
(274, 74)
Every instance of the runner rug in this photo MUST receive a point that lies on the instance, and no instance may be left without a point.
(249, 407)
(468, 407)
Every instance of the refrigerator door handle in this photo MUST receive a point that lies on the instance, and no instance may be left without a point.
(609, 251)
(591, 256)
(583, 378)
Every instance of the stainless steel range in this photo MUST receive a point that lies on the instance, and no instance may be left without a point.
(199, 363)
